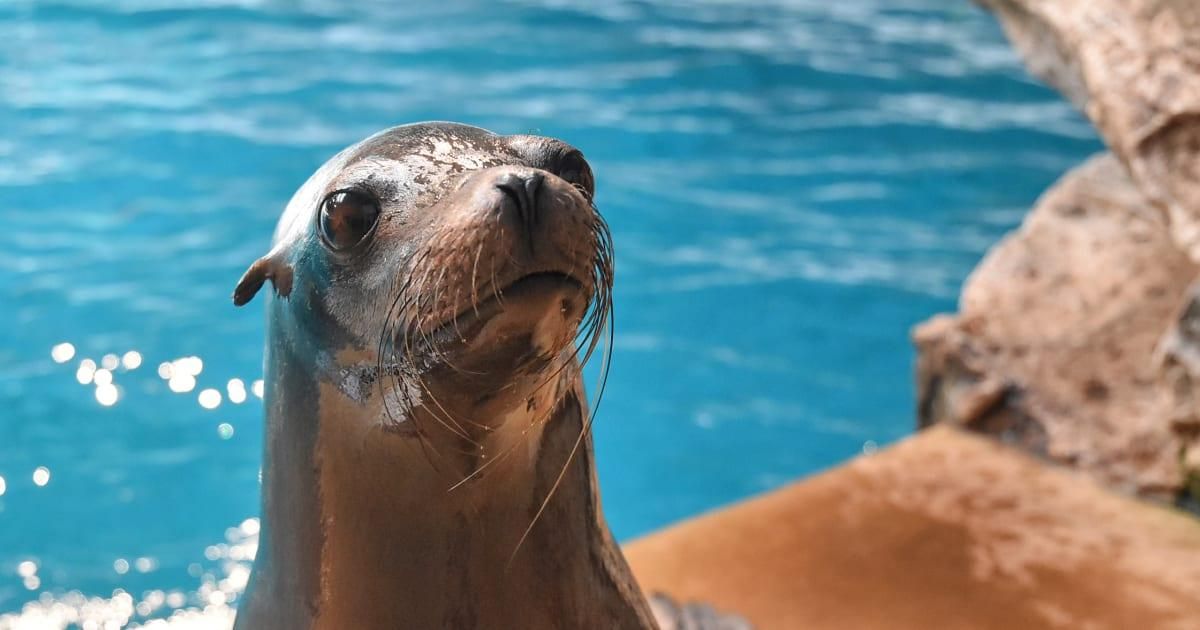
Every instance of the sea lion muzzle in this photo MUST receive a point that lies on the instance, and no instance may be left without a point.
(428, 457)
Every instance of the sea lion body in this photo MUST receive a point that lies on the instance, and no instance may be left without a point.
(427, 456)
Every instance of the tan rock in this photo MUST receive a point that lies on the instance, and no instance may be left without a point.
(1055, 345)
(1133, 66)
(944, 530)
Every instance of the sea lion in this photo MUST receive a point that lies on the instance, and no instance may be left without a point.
(428, 460)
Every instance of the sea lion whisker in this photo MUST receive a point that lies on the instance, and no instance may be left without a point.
(454, 321)
(426, 447)
(397, 315)
(430, 322)
(569, 360)
(495, 284)
(489, 463)
(377, 245)
(429, 336)
(418, 316)
(457, 429)
(449, 421)
(605, 366)
(461, 338)
(403, 390)
(407, 306)
(586, 331)
(474, 279)
(394, 376)
(587, 335)
(584, 430)
(424, 296)
(596, 324)
(450, 417)
(382, 377)
(399, 304)
(591, 332)
(386, 342)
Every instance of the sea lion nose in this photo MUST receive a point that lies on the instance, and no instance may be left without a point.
(521, 191)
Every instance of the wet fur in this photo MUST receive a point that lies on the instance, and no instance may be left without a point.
(403, 486)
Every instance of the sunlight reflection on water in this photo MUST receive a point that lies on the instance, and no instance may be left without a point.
(213, 603)
(791, 185)
(181, 375)
(210, 606)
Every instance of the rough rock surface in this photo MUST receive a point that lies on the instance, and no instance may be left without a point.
(945, 530)
(671, 615)
(1133, 66)
(1056, 344)
(1091, 354)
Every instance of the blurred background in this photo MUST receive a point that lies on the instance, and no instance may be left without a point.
(791, 185)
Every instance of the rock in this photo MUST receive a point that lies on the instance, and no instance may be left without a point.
(671, 615)
(1078, 338)
(1133, 66)
(944, 530)
(1055, 347)
(1180, 352)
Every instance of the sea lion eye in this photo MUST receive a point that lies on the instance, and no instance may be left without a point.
(573, 168)
(347, 216)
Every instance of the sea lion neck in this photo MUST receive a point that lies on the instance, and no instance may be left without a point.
(362, 529)
(470, 263)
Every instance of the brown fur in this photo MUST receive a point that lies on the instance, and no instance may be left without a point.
(428, 461)
(403, 552)
(945, 530)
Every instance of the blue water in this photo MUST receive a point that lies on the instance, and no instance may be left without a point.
(791, 187)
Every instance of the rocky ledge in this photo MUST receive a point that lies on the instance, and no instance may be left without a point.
(1055, 347)
(1078, 337)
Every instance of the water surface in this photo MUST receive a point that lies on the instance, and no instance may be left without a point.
(791, 187)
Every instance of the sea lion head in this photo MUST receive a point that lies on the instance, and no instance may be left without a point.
(442, 268)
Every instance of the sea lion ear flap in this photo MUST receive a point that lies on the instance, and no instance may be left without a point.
(271, 266)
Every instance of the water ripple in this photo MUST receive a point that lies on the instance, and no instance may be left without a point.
(791, 185)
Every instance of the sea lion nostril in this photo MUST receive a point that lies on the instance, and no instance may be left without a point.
(423, 339)
(522, 190)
